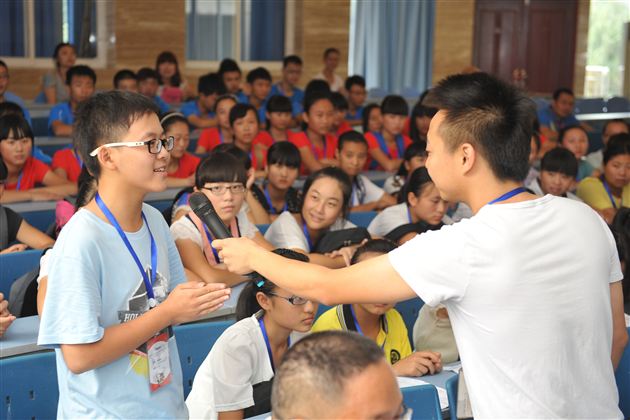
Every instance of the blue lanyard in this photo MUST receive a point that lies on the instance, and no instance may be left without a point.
(360, 331)
(509, 195)
(148, 283)
(78, 158)
(17, 188)
(272, 210)
(267, 344)
(409, 214)
(607, 188)
(308, 236)
(220, 136)
(210, 239)
(315, 150)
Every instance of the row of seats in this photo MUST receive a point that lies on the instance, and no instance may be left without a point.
(593, 105)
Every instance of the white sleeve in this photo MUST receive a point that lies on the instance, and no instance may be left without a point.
(372, 191)
(247, 228)
(615, 265)
(185, 229)
(393, 184)
(44, 264)
(285, 232)
(388, 220)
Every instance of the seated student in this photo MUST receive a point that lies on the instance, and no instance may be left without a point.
(148, 85)
(231, 75)
(55, 89)
(432, 331)
(222, 133)
(173, 87)
(287, 86)
(422, 203)
(325, 203)
(259, 83)
(199, 112)
(126, 80)
(317, 146)
(245, 127)
(352, 153)
(182, 165)
(372, 119)
(534, 151)
(340, 105)
(67, 164)
(17, 229)
(415, 157)
(575, 139)
(388, 145)
(420, 119)
(107, 316)
(25, 173)
(611, 127)
(11, 108)
(381, 323)
(278, 195)
(611, 190)
(336, 375)
(279, 115)
(234, 381)
(81, 81)
(331, 62)
(355, 87)
(6, 96)
(558, 170)
(558, 115)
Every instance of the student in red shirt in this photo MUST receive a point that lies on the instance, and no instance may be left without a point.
(279, 118)
(387, 147)
(212, 137)
(182, 165)
(244, 122)
(317, 146)
(340, 125)
(25, 172)
(67, 164)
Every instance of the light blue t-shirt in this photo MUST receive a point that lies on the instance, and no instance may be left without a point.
(94, 283)
(12, 97)
(358, 114)
(60, 112)
(164, 108)
(192, 108)
(297, 99)
(548, 118)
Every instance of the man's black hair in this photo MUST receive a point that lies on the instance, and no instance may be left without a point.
(228, 65)
(560, 160)
(80, 70)
(560, 91)
(211, 83)
(279, 103)
(258, 73)
(291, 59)
(354, 80)
(147, 73)
(124, 74)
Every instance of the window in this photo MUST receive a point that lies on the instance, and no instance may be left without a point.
(249, 30)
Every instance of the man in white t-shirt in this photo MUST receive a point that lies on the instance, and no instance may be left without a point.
(532, 285)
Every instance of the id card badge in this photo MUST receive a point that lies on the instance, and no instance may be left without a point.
(159, 362)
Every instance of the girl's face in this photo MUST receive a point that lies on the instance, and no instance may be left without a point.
(223, 113)
(226, 198)
(393, 124)
(352, 158)
(320, 117)
(296, 316)
(14, 150)
(279, 120)
(428, 206)
(246, 128)
(167, 69)
(422, 124)
(617, 171)
(181, 132)
(281, 176)
(374, 308)
(323, 203)
(576, 141)
(66, 56)
(375, 120)
(415, 163)
(555, 183)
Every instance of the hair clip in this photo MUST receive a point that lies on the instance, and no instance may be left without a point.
(260, 283)
(171, 115)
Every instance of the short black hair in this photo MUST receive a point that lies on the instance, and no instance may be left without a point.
(316, 85)
(560, 160)
(415, 149)
(560, 91)
(395, 104)
(279, 103)
(4, 171)
(378, 246)
(16, 124)
(418, 180)
(314, 97)
(354, 80)
(147, 73)
(239, 111)
(284, 153)
(10, 108)
(331, 50)
(340, 103)
(106, 117)
(419, 110)
(241, 155)
(367, 110)
(351, 136)
(562, 134)
(169, 118)
(259, 73)
(58, 48)
(80, 70)
(210, 84)
(291, 59)
(168, 57)
(615, 121)
(338, 175)
(495, 117)
(3, 64)
(124, 74)
(220, 167)
(619, 144)
(228, 65)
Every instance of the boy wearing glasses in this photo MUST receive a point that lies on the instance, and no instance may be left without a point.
(116, 283)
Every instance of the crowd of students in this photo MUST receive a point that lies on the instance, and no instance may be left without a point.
(254, 142)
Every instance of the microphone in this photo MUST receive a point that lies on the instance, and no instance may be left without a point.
(203, 208)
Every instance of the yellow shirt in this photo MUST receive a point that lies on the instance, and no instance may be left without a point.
(591, 190)
(394, 342)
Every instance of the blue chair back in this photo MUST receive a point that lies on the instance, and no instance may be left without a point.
(14, 264)
(409, 310)
(451, 392)
(424, 401)
(194, 342)
(39, 219)
(262, 228)
(29, 386)
(362, 218)
(622, 375)
(618, 104)
(161, 205)
(590, 106)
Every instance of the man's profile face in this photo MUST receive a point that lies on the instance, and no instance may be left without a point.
(563, 106)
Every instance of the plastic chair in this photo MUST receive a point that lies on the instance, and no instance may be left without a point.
(194, 342)
(29, 386)
(451, 391)
(590, 106)
(424, 401)
(14, 264)
(40, 219)
(409, 309)
(618, 104)
(622, 375)
(362, 218)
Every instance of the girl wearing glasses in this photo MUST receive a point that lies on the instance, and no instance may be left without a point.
(182, 165)
(234, 381)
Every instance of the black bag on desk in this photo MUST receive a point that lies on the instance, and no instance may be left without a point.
(336, 239)
(262, 399)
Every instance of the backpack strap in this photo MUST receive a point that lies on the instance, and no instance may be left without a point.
(344, 315)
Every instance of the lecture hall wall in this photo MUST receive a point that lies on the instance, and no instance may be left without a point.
(144, 28)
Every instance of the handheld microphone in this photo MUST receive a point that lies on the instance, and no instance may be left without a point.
(203, 208)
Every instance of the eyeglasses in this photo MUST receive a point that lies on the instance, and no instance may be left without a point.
(219, 190)
(154, 145)
(293, 300)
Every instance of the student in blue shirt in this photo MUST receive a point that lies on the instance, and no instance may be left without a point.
(116, 283)
(231, 75)
(148, 85)
(355, 86)
(291, 73)
(259, 81)
(81, 81)
(126, 80)
(199, 112)
(558, 115)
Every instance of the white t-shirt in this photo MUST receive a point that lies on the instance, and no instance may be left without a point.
(393, 184)
(537, 189)
(392, 217)
(285, 232)
(185, 229)
(527, 288)
(596, 159)
(365, 191)
(336, 85)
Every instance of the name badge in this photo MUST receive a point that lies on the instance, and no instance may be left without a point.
(159, 362)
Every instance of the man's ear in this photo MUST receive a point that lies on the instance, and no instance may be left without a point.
(468, 157)
(105, 158)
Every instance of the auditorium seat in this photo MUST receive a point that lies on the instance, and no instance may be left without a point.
(622, 375)
(424, 401)
(362, 218)
(451, 392)
(14, 264)
(40, 219)
(409, 310)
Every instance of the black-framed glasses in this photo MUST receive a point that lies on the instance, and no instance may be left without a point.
(154, 145)
(293, 300)
(219, 190)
